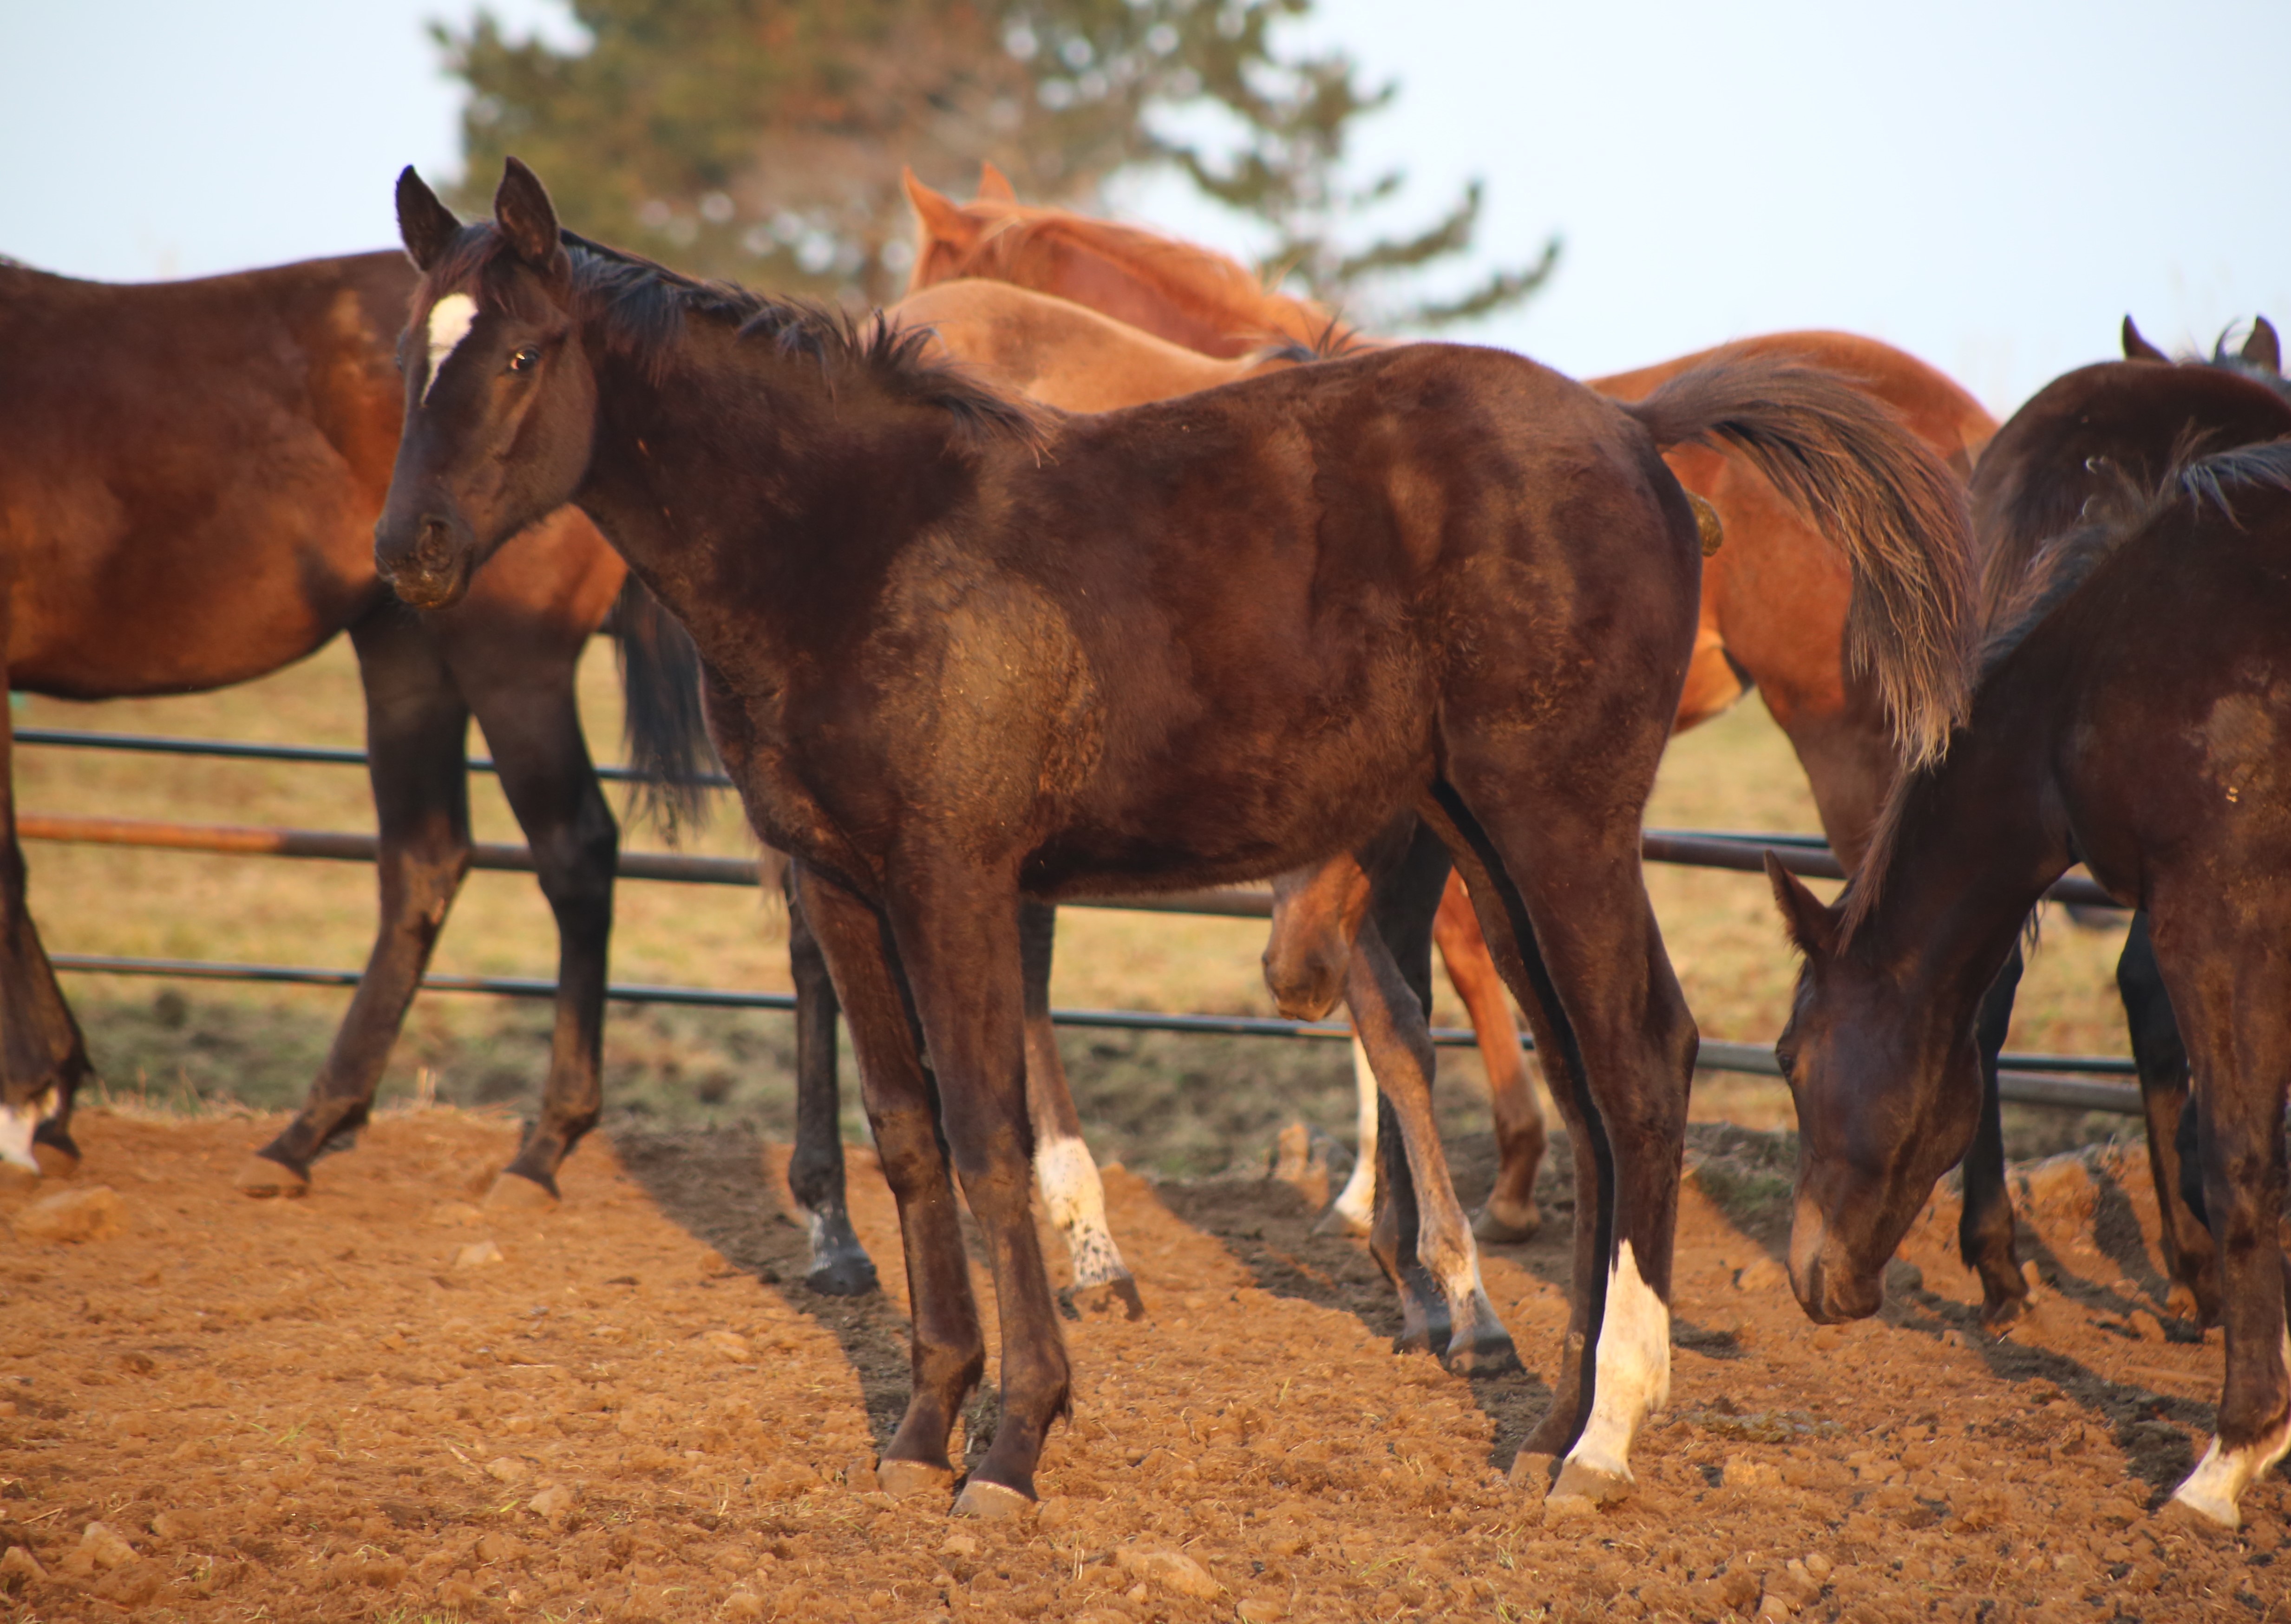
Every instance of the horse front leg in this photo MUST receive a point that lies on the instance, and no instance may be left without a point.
(2240, 1039)
(417, 731)
(1510, 1214)
(1072, 1194)
(957, 931)
(1985, 1224)
(947, 1354)
(532, 723)
(839, 1265)
(2191, 1261)
(42, 1056)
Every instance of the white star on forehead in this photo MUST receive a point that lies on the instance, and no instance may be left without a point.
(449, 325)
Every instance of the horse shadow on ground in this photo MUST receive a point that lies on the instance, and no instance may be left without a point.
(711, 1183)
(2159, 1435)
(1270, 1229)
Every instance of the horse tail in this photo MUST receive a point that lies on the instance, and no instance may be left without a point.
(1847, 462)
(667, 736)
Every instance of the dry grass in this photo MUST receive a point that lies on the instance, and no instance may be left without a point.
(1180, 1104)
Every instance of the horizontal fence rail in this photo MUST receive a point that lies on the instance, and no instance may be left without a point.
(2026, 1078)
(2062, 1080)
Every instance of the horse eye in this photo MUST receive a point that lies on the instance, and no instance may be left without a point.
(525, 359)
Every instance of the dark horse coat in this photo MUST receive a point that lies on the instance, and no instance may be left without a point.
(958, 654)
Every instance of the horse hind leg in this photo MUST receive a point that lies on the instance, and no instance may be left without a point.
(839, 1265)
(43, 1055)
(1563, 905)
(1985, 1225)
(1065, 1172)
(1510, 1214)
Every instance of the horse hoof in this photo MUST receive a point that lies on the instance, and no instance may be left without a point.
(263, 1178)
(1504, 1229)
(55, 1161)
(2211, 1518)
(992, 1502)
(515, 1193)
(1107, 1296)
(1999, 1314)
(1595, 1483)
(843, 1277)
(1531, 1470)
(1488, 1353)
(904, 1479)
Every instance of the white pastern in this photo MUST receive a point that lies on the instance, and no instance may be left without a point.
(1075, 1199)
(1633, 1379)
(449, 325)
(1356, 1204)
(17, 1125)
(2220, 1478)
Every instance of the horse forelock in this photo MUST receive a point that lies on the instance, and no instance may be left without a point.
(639, 307)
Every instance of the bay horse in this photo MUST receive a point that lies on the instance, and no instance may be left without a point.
(2134, 716)
(960, 651)
(191, 474)
(2083, 439)
(1781, 609)
(1065, 356)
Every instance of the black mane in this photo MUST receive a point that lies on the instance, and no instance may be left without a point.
(640, 307)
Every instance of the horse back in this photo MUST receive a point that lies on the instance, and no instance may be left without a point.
(2108, 431)
(1332, 566)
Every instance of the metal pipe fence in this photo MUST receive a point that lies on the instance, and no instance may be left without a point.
(2064, 1082)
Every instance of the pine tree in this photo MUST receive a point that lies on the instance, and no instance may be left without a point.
(762, 140)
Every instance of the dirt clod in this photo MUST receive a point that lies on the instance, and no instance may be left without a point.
(93, 1212)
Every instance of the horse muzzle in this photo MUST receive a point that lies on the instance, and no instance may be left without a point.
(1829, 1287)
(428, 563)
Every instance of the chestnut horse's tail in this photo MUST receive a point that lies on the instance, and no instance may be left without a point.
(667, 736)
(1881, 496)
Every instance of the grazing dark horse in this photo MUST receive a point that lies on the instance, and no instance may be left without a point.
(958, 653)
(189, 473)
(2084, 439)
(2137, 715)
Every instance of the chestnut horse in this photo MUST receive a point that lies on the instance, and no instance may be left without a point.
(1780, 608)
(959, 651)
(187, 500)
(2134, 716)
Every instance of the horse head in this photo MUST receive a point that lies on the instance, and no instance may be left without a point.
(493, 362)
(1316, 917)
(1887, 1100)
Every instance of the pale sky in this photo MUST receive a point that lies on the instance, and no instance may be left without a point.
(1990, 186)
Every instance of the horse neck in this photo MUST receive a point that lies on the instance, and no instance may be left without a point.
(733, 473)
(1970, 854)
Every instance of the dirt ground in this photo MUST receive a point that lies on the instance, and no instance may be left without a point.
(383, 1403)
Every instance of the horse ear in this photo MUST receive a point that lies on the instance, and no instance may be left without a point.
(1812, 925)
(2262, 349)
(941, 215)
(528, 220)
(994, 186)
(425, 225)
(2138, 348)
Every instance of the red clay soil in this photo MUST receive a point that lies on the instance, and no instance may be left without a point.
(382, 1402)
